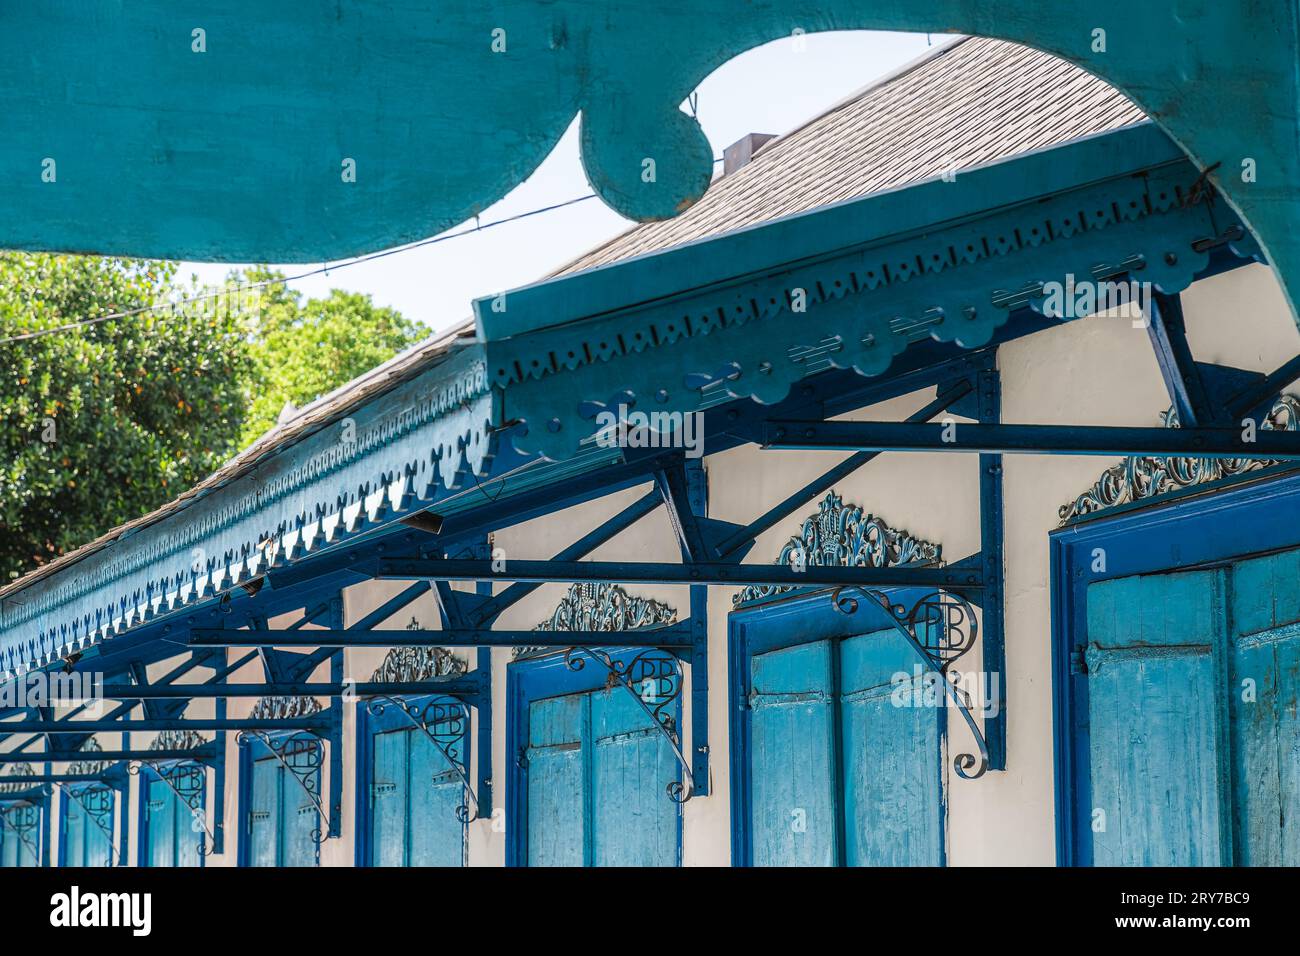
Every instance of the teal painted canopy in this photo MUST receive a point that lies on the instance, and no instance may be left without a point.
(250, 131)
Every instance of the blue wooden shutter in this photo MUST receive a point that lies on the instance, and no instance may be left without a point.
(557, 781)
(1266, 729)
(189, 831)
(634, 820)
(160, 823)
(300, 820)
(74, 833)
(1157, 724)
(793, 746)
(388, 799)
(264, 814)
(437, 834)
(892, 755)
(14, 850)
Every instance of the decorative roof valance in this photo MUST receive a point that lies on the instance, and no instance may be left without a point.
(1145, 477)
(841, 535)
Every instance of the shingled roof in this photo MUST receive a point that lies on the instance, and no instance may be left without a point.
(963, 104)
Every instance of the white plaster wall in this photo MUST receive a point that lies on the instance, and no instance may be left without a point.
(1093, 371)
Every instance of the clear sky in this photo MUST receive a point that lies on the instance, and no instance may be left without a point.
(771, 89)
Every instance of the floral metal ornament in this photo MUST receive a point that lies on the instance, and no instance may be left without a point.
(89, 765)
(602, 607)
(281, 708)
(841, 535)
(415, 664)
(13, 785)
(1146, 477)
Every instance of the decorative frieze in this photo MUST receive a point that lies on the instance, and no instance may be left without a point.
(841, 535)
(1145, 477)
(415, 664)
(281, 708)
(16, 770)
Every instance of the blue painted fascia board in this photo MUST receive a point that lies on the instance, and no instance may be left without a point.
(887, 216)
(359, 472)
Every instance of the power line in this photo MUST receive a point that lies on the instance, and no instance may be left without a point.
(321, 270)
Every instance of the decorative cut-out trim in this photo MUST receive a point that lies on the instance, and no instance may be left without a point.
(424, 435)
(841, 535)
(1146, 477)
(601, 607)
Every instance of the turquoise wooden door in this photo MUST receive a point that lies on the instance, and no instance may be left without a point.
(282, 820)
(172, 833)
(85, 842)
(1156, 710)
(160, 824)
(1193, 736)
(842, 769)
(597, 769)
(264, 815)
(1265, 711)
(19, 835)
(415, 796)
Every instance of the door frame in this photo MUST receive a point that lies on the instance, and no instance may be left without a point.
(368, 727)
(536, 678)
(759, 627)
(1219, 527)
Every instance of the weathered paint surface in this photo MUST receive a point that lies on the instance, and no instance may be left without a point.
(171, 838)
(281, 818)
(1265, 614)
(597, 769)
(1157, 720)
(1194, 734)
(832, 751)
(324, 129)
(85, 844)
(414, 796)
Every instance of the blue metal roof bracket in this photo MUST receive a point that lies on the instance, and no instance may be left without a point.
(270, 132)
(848, 286)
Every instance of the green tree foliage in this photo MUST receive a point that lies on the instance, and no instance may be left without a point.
(108, 421)
(104, 423)
(301, 351)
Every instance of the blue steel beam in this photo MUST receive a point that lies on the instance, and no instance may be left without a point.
(456, 687)
(717, 573)
(674, 636)
(196, 754)
(1182, 376)
(183, 723)
(1031, 439)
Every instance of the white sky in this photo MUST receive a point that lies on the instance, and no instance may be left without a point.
(771, 89)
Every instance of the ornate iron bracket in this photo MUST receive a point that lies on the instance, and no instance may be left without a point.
(189, 791)
(23, 833)
(97, 810)
(302, 754)
(940, 627)
(660, 676)
(445, 721)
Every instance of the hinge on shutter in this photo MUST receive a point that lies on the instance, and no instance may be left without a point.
(1078, 663)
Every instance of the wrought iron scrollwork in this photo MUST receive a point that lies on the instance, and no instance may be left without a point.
(445, 722)
(97, 802)
(302, 754)
(1143, 477)
(185, 779)
(655, 679)
(22, 820)
(940, 628)
(841, 535)
(602, 607)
